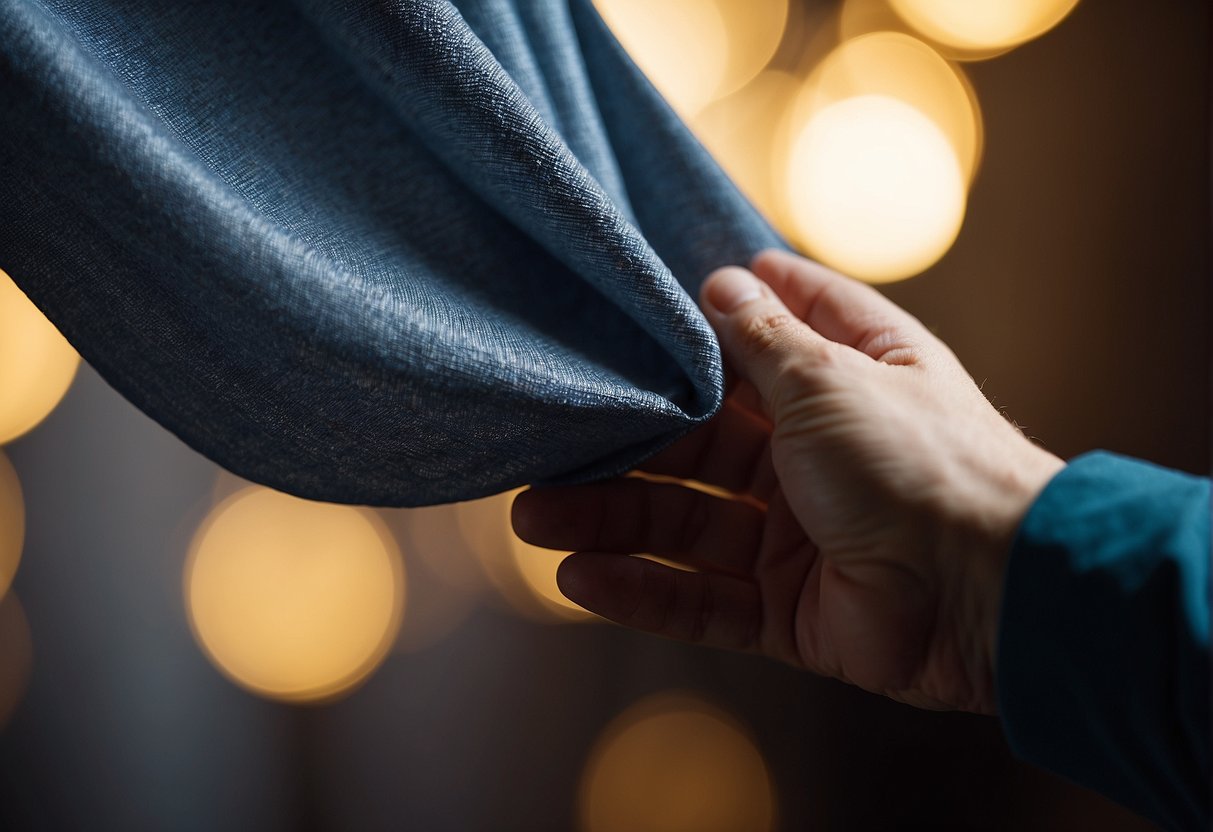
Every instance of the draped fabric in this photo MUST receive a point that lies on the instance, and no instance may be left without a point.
(392, 253)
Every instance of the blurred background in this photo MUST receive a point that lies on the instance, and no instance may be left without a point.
(182, 650)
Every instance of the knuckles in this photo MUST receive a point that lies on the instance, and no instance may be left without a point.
(766, 332)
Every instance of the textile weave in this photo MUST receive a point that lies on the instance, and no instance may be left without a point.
(393, 253)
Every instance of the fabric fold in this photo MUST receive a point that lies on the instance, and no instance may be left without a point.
(445, 83)
(341, 250)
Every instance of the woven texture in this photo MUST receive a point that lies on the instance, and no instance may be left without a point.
(394, 253)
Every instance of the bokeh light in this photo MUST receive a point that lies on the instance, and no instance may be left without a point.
(901, 67)
(674, 763)
(842, 153)
(538, 569)
(37, 364)
(862, 17)
(435, 535)
(523, 574)
(695, 51)
(874, 188)
(293, 599)
(681, 45)
(12, 523)
(982, 26)
(226, 484)
(445, 580)
(753, 29)
(16, 656)
(740, 132)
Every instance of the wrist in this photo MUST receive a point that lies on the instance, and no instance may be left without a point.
(979, 544)
(1025, 484)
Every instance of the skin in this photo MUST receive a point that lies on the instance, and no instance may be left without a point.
(862, 496)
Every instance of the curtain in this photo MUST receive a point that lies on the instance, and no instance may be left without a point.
(394, 253)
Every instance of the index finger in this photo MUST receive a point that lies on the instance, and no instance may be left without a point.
(842, 309)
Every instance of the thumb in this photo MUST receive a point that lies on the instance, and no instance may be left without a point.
(760, 338)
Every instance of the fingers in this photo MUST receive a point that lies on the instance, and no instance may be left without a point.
(703, 607)
(632, 516)
(731, 452)
(841, 309)
(760, 337)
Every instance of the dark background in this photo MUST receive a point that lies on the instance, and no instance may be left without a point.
(1078, 292)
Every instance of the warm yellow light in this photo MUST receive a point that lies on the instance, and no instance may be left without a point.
(753, 29)
(16, 656)
(12, 523)
(538, 569)
(674, 763)
(862, 17)
(681, 45)
(898, 66)
(741, 133)
(983, 25)
(525, 575)
(226, 484)
(293, 599)
(874, 188)
(37, 364)
(695, 51)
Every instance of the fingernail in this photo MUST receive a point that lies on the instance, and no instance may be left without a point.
(729, 288)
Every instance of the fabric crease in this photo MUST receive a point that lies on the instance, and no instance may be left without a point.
(386, 253)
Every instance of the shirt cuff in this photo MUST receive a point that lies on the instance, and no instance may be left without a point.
(1102, 670)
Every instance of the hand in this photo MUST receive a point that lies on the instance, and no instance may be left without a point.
(865, 498)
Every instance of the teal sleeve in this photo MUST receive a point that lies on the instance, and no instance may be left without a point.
(1103, 670)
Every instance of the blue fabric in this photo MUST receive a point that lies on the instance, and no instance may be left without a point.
(393, 253)
(1103, 662)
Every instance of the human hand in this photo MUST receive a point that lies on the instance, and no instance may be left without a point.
(873, 495)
